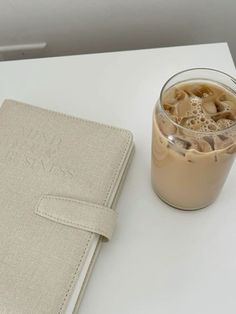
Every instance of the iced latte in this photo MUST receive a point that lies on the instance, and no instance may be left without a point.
(193, 141)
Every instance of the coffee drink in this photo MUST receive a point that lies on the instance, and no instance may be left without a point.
(193, 142)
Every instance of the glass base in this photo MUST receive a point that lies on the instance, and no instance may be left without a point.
(180, 207)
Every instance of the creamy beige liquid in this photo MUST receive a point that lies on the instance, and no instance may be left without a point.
(191, 157)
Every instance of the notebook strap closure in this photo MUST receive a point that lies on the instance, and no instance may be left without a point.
(78, 214)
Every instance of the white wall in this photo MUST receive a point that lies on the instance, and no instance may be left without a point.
(83, 26)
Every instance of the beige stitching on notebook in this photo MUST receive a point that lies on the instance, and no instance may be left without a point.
(100, 207)
(67, 116)
(75, 273)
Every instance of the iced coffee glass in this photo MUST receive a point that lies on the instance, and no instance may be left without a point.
(194, 137)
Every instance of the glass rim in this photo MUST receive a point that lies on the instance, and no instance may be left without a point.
(202, 133)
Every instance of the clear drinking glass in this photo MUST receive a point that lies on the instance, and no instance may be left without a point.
(189, 167)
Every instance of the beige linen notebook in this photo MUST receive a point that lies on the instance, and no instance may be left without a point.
(60, 179)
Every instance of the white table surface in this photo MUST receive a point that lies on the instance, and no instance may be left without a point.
(160, 260)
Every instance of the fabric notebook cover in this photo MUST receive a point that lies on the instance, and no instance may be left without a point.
(59, 177)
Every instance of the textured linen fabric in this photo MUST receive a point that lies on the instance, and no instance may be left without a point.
(79, 214)
(47, 153)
